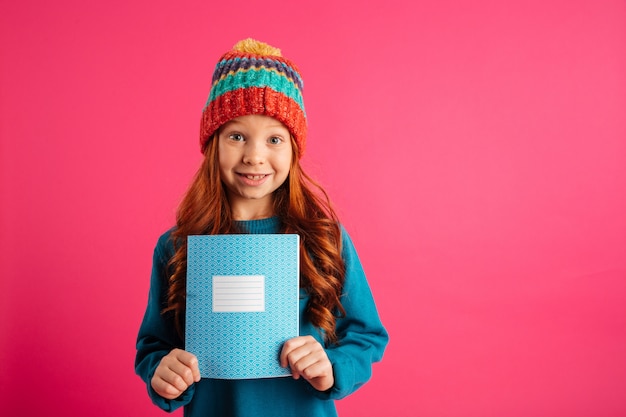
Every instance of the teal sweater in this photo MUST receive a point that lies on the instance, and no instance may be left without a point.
(362, 341)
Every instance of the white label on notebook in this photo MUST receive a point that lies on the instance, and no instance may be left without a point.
(238, 293)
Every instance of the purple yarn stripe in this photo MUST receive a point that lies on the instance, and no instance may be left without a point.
(236, 64)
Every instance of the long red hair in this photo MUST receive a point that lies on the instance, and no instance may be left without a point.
(303, 208)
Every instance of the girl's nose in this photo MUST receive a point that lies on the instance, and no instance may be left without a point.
(253, 153)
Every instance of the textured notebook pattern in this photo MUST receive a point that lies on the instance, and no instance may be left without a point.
(242, 303)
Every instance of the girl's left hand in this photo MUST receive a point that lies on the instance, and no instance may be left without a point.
(306, 358)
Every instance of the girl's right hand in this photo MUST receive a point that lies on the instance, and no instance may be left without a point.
(176, 372)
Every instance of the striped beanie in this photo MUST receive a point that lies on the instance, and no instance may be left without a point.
(254, 78)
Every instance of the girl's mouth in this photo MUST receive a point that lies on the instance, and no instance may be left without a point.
(255, 177)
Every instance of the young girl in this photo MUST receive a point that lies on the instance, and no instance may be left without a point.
(253, 134)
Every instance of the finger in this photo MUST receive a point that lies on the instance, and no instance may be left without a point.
(164, 388)
(190, 361)
(289, 347)
(179, 361)
(185, 357)
(173, 369)
(179, 375)
(311, 365)
(303, 356)
(316, 369)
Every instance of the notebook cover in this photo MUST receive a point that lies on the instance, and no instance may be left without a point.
(242, 303)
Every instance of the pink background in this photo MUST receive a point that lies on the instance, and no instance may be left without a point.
(476, 151)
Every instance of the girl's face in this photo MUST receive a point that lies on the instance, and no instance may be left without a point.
(255, 156)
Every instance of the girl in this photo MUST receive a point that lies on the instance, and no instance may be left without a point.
(252, 135)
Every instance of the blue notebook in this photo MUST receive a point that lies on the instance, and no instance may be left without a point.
(242, 303)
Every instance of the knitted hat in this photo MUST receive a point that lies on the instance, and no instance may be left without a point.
(254, 78)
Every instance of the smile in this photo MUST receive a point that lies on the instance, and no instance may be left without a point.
(254, 177)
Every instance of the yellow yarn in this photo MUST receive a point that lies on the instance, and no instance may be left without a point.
(252, 46)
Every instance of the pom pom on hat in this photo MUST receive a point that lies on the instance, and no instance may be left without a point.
(255, 47)
(254, 78)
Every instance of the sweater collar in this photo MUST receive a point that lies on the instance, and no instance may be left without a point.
(270, 225)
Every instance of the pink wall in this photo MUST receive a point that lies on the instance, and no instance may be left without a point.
(475, 149)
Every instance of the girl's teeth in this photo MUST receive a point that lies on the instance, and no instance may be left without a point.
(254, 177)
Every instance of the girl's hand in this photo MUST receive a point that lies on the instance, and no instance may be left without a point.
(306, 358)
(175, 373)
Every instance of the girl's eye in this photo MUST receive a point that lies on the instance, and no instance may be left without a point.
(275, 140)
(236, 137)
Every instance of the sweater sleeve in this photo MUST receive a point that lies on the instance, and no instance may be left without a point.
(362, 337)
(157, 335)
